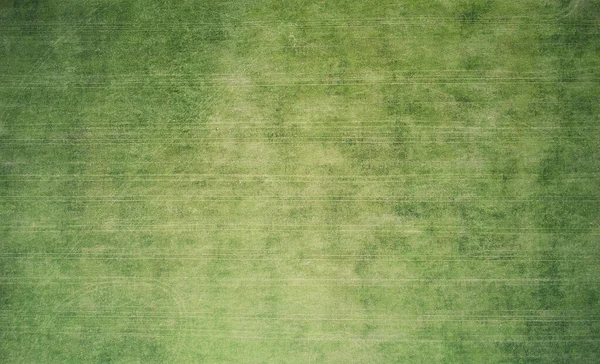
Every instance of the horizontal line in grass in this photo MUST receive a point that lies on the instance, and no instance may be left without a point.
(295, 198)
(288, 259)
(302, 280)
(392, 226)
(341, 83)
(295, 337)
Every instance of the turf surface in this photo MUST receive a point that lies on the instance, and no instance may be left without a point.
(299, 181)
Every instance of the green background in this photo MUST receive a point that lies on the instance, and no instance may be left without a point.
(299, 181)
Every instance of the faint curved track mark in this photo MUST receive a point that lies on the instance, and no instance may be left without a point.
(137, 292)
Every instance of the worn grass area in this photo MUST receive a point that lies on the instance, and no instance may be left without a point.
(299, 181)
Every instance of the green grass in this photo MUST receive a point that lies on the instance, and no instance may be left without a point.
(300, 181)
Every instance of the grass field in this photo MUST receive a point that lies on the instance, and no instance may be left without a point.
(267, 181)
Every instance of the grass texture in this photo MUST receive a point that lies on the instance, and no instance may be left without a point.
(265, 181)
